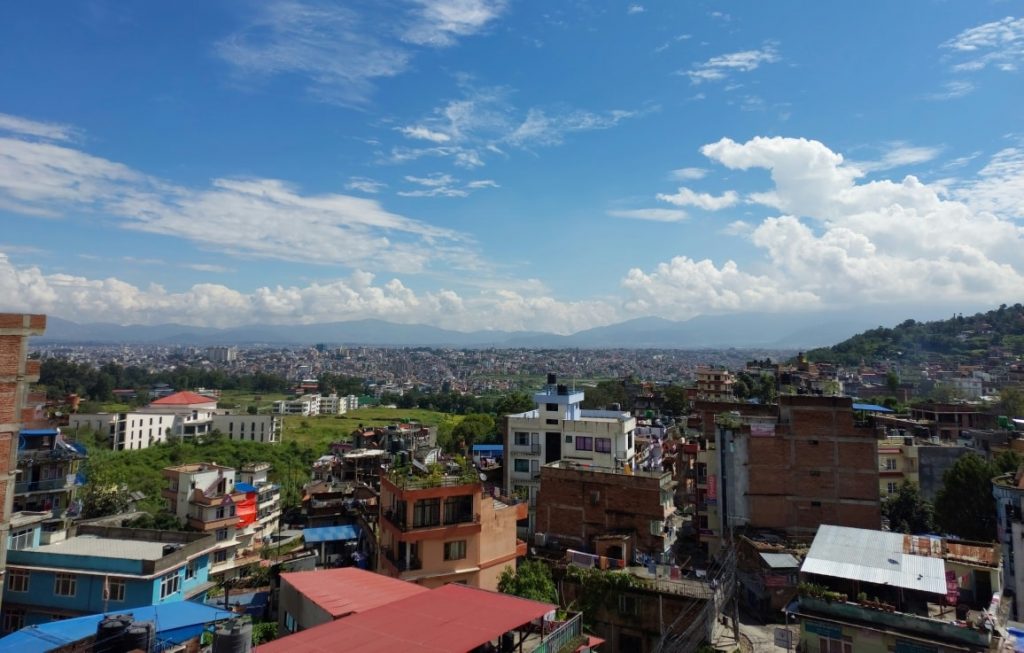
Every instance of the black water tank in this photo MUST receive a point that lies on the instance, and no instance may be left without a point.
(138, 636)
(552, 379)
(233, 637)
(109, 632)
(563, 389)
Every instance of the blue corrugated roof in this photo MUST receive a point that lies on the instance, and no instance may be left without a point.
(38, 433)
(873, 408)
(244, 487)
(168, 617)
(488, 447)
(331, 533)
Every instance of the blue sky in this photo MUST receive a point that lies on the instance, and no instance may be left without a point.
(508, 165)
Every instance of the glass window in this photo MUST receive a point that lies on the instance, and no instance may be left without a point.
(426, 512)
(222, 534)
(191, 569)
(584, 443)
(458, 510)
(115, 589)
(521, 464)
(455, 550)
(220, 556)
(170, 584)
(65, 584)
(551, 407)
(14, 619)
(17, 580)
(522, 438)
(603, 445)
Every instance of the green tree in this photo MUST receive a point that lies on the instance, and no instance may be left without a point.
(516, 402)
(105, 492)
(892, 382)
(1011, 402)
(964, 504)
(908, 511)
(676, 401)
(471, 429)
(532, 580)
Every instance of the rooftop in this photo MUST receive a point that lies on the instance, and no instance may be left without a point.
(104, 547)
(183, 398)
(350, 590)
(449, 618)
(872, 557)
(780, 560)
(176, 622)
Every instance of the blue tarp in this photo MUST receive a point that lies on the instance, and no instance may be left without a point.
(175, 623)
(872, 408)
(331, 533)
(244, 487)
(497, 448)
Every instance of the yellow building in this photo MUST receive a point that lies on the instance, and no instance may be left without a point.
(897, 462)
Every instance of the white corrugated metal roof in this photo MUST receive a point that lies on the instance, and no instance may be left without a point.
(780, 560)
(872, 557)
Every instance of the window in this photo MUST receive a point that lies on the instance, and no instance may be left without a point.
(65, 584)
(890, 487)
(628, 605)
(455, 550)
(890, 464)
(220, 556)
(222, 534)
(829, 645)
(170, 584)
(458, 510)
(289, 622)
(14, 619)
(551, 407)
(191, 569)
(551, 421)
(521, 465)
(426, 512)
(115, 589)
(522, 438)
(220, 513)
(17, 580)
(629, 440)
(603, 445)
(584, 443)
(21, 539)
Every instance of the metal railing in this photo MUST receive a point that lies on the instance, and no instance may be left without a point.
(41, 486)
(562, 635)
(533, 449)
(400, 563)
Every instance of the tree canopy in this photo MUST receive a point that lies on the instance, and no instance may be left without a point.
(532, 580)
(907, 510)
(964, 505)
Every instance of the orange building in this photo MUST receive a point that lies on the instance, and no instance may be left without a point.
(446, 529)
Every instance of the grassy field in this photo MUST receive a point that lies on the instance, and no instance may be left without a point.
(242, 399)
(318, 432)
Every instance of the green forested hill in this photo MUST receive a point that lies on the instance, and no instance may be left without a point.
(960, 337)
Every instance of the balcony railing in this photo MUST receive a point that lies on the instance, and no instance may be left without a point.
(41, 486)
(407, 482)
(533, 449)
(562, 635)
(400, 563)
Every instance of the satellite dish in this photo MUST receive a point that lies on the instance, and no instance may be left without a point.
(483, 477)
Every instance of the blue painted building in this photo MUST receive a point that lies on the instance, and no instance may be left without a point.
(101, 569)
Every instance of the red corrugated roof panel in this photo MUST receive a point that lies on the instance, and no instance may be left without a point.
(449, 619)
(183, 398)
(350, 590)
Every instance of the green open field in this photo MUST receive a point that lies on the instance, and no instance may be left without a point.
(318, 432)
(242, 399)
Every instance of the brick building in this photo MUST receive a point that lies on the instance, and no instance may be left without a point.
(16, 373)
(578, 504)
(790, 467)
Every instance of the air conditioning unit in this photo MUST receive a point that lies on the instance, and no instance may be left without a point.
(540, 539)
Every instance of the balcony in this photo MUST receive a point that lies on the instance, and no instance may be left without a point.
(927, 627)
(399, 564)
(51, 485)
(532, 449)
(399, 521)
(211, 524)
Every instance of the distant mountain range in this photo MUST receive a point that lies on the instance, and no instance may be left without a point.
(769, 330)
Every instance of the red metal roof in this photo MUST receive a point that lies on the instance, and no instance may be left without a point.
(449, 619)
(183, 398)
(350, 590)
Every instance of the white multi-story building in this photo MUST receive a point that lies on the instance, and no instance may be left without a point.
(268, 508)
(205, 498)
(222, 354)
(558, 429)
(184, 415)
(250, 428)
(307, 405)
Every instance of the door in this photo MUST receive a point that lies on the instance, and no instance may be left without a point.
(552, 447)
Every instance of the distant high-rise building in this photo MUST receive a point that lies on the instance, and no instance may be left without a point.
(222, 354)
